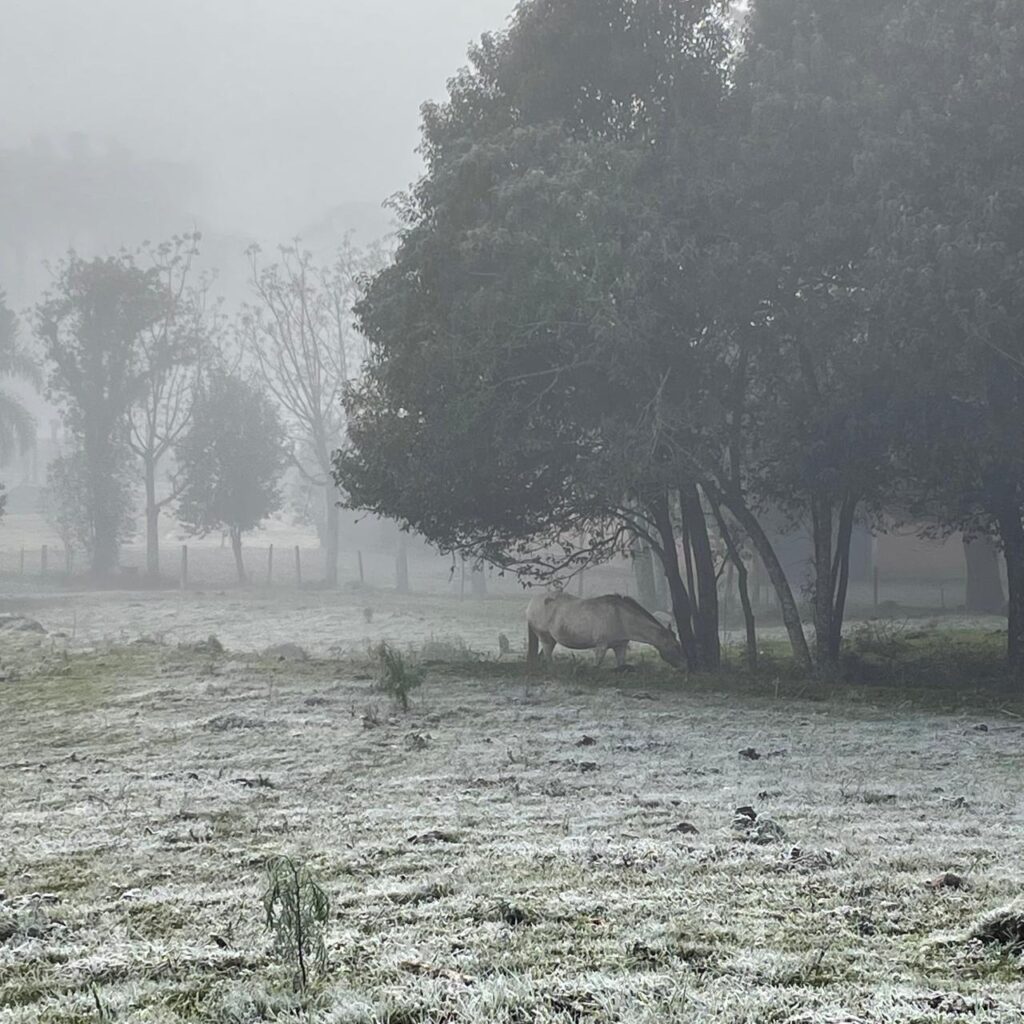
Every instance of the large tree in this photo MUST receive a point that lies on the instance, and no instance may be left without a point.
(539, 311)
(230, 461)
(91, 324)
(949, 263)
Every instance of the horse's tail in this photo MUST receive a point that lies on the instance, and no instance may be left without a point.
(532, 647)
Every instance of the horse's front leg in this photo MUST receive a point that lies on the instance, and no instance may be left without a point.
(620, 657)
(599, 653)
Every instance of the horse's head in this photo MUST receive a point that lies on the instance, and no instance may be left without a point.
(670, 649)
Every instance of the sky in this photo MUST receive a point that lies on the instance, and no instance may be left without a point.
(286, 108)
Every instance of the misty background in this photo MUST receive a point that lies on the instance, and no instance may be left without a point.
(250, 119)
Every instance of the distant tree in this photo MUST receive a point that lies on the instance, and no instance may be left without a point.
(17, 425)
(170, 352)
(73, 510)
(301, 336)
(91, 324)
(230, 460)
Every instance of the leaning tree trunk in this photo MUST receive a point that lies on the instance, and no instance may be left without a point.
(770, 560)
(682, 609)
(1012, 535)
(332, 525)
(706, 597)
(743, 585)
(984, 584)
(236, 547)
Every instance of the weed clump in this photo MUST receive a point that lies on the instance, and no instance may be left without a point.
(1003, 927)
(395, 677)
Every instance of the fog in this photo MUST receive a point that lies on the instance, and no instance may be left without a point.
(279, 112)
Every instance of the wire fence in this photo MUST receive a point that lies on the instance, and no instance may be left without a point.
(205, 566)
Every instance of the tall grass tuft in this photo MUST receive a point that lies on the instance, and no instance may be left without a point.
(396, 678)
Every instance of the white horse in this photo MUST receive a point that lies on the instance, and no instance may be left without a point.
(599, 624)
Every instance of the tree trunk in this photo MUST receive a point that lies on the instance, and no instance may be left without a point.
(236, 547)
(772, 565)
(682, 609)
(841, 574)
(984, 585)
(706, 598)
(821, 532)
(152, 523)
(1012, 535)
(332, 524)
(742, 583)
(643, 574)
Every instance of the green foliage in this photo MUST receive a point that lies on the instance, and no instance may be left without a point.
(395, 676)
(231, 460)
(297, 911)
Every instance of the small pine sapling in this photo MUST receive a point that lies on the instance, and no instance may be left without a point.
(297, 911)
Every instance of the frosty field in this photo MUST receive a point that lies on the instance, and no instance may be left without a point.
(562, 847)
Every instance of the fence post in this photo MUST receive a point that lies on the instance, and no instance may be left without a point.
(298, 565)
(270, 565)
(362, 575)
(45, 558)
(875, 581)
(184, 566)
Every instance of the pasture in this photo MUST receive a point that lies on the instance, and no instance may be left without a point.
(559, 847)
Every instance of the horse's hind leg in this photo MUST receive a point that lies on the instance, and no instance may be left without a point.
(548, 644)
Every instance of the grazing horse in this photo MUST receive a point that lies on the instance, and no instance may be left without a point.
(599, 624)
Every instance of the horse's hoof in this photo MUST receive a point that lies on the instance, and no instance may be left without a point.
(625, 668)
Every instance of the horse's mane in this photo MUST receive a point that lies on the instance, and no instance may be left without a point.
(631, 603)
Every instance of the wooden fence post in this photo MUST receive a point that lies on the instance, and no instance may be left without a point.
(270, 565)
(184, 566)
(362, 575)
(298, 565)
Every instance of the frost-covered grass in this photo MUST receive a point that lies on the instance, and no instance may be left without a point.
(555, 848)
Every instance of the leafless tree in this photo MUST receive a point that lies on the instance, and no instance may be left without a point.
(170, 353)
(302, 339)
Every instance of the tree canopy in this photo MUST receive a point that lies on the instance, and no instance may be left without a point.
(656, 275)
